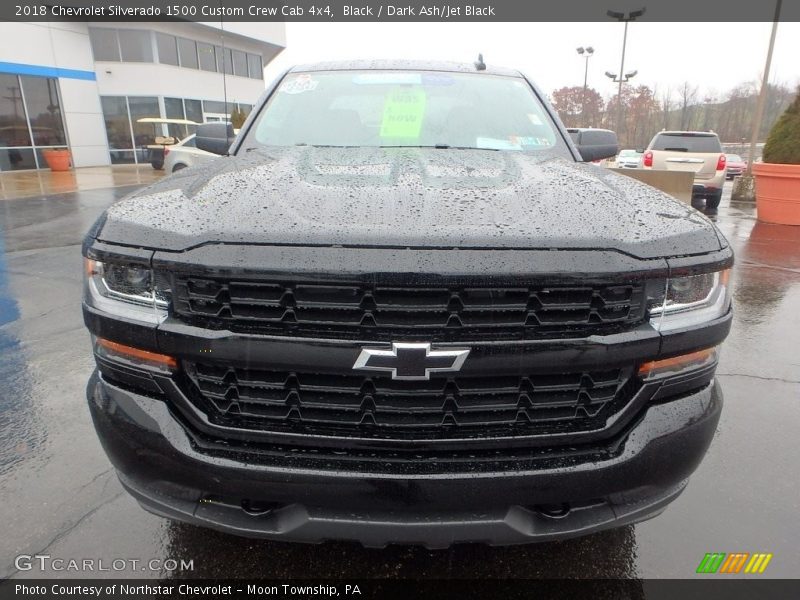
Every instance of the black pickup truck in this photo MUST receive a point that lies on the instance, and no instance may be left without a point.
(401, 309)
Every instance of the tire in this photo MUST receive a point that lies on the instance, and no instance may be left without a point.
(714, 199)
(157, 164)
(178, 167)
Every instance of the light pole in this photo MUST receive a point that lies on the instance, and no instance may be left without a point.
(762, 95)
(587, 54)
(623, 77)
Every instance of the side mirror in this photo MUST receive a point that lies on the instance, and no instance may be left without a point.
(595, 144)
(574, 133)
(214, 137)
(640, 150)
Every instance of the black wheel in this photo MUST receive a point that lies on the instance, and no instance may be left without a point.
(157, 164)
(178, 167)
(713, 200)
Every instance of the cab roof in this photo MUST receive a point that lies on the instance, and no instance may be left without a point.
(402, 65)
(691, 133)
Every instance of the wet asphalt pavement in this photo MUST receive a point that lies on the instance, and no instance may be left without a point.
(60, 496)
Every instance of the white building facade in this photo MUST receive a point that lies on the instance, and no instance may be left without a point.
(84, 85)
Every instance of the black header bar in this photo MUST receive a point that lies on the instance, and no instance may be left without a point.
(398, 11)
(700, 587)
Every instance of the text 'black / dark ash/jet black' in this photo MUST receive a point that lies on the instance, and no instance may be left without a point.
(402, 309)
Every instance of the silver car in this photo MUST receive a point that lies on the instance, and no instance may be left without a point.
(629, 159)
(184, 154)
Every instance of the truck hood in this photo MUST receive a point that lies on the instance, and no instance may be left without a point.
(407, 197)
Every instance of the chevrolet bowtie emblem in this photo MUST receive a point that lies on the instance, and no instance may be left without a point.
(411, 361)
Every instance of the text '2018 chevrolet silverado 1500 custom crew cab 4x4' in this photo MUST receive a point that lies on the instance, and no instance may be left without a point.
(401, 310)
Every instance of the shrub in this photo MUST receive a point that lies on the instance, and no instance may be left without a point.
(783, 143)
(237, 118)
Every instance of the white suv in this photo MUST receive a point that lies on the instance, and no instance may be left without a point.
(696, 151)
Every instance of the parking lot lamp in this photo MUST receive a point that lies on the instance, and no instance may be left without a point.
(587, 54)
(623, 77)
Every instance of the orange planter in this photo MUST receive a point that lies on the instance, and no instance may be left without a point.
(57, 160)
(777, 193)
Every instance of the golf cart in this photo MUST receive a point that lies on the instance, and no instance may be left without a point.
(154, 152)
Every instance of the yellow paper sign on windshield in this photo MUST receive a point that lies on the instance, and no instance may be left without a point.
(403, 112)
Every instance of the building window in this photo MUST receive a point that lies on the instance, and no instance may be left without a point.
(105, 45)
(214, 110)
(13, 119)
(214, 106)
(17, 159)
(205, 52)
(127, 139)
(224, 60)
(187, 50)
(143, 133)
(118, 129)
(193, 110)
(239, 63)
(255, 67)
(30, 120)
(173, 109)
(44, 111)
(167, 49)
(135, 45)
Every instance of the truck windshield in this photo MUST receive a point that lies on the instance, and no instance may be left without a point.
(405, 109)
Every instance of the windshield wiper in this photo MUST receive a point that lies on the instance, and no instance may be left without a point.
(329, 145)
(432, 146)
(441, 147)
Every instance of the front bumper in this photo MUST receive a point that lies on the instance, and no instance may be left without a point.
(283, 494)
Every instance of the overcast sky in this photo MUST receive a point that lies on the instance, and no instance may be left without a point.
(714, 56)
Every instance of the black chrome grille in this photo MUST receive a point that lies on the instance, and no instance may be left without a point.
(378, 312)
(379, 407)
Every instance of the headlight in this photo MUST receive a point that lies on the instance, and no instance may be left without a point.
(126, 289)
(692, 300)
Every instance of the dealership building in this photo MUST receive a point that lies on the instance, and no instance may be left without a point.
(85, 85)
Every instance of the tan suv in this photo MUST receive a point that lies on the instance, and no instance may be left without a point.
(696, 151)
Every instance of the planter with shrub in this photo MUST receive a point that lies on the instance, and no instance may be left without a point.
(778, 177)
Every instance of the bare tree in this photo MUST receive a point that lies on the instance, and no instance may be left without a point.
(709, 111)
(688, 95)
(666, 107)
(730, 114)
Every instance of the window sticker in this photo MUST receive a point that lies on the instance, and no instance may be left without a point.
(302, 83)
(437, 79)
(488, 143)
(526, 140)
(387, 79)
(403, 111)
